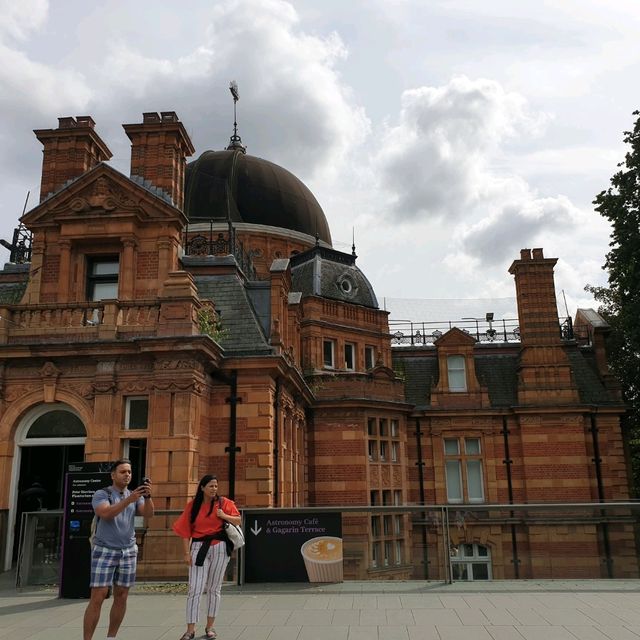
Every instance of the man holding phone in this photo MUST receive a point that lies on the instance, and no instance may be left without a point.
(114, 553)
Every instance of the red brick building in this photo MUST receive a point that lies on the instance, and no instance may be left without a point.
(196, 318)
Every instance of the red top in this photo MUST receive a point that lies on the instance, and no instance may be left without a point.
(204, 525)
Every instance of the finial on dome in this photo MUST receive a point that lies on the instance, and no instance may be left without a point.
(353, 242)
(235, 142)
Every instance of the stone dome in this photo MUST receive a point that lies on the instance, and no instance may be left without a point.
(248, 189)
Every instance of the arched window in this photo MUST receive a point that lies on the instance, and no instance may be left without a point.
(57, 424)
(470, 561)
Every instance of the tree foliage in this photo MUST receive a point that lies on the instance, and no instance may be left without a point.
(620, 301)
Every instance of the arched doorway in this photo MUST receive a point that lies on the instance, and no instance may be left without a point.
(48, 439)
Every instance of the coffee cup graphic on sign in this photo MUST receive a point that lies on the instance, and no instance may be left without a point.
(323, 559)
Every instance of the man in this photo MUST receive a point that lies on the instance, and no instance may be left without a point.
(114, 553)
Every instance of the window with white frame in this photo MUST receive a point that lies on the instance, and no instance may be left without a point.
(369, 357)
(349, 356)
(456, 373)
(470, 561)
(463, 470)
(329, 353)
(136, 413)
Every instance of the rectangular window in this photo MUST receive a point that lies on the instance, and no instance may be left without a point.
(398, 552)
(386, 522)
(456, 373)
(373, 453)
(398, 525)
(394, 451)
(329, 353)
(472, 446)
(383, 450)
(395, 429)
(102, 278)
(386, 497)
(371, 427)
(136, 413)
(454, 481)
(397, 497)
(463, 471)
(474, 481)
(383, 426)
(375, 526)
(375, 554)
(373, 497)
(349, 356)
(451, 447)
(387, 553)
(369, 357)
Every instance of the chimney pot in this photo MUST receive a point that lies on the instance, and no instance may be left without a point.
(69, 151)
(150, 117)
(86, 121)
(537, 254)
(525, 254)
(68, 122)
(169, 116)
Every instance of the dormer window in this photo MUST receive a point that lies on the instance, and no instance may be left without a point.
(456, 373)
(102, 278)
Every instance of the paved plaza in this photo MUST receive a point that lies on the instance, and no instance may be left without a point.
(524, 610)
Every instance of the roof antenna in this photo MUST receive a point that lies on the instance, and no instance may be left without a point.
(353, 242)
(235, 142)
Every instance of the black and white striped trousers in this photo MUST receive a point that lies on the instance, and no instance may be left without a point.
(209, 576)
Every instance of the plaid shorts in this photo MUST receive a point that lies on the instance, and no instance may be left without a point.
(113, 566)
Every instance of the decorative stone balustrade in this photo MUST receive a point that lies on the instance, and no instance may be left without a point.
(81, 321)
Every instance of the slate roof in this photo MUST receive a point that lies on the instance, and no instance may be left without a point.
(242, 331)
(323, 271)
(12, 292)
(584, 370)
(420, 374)
(497, 372)
(500, 375)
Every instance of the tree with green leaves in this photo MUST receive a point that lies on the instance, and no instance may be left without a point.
(620, 301)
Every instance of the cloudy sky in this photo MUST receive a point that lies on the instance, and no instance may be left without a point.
(448, 133)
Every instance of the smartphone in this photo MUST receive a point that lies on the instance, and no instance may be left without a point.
(146, 480)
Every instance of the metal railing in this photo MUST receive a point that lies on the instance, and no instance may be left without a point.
(408, 333)
(218, 243)
(453, 542)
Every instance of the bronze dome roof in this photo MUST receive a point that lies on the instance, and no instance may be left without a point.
(249, 189)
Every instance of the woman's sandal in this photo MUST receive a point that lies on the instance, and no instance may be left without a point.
(210, 633)
(188, 635)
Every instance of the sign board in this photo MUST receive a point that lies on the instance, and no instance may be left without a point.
(81, 482)
(293, 547)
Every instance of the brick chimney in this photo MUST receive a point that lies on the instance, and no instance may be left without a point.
(536, 297)
(160, 147)
(69, 151)
(544, 375)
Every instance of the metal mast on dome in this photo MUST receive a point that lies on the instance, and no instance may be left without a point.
(235, 142)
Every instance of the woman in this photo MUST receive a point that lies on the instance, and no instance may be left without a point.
(201, 526)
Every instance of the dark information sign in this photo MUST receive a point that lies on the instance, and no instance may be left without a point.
(293, 547)
(81, 482)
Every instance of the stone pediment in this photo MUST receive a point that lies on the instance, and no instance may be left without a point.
(102, 192)
(455, 337)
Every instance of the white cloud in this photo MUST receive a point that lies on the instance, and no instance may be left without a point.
(17, 19)
(281, 71)
(437, 160)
